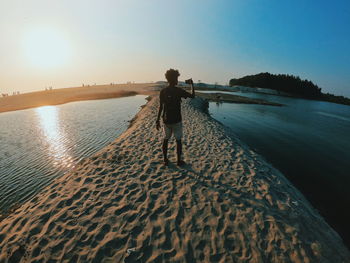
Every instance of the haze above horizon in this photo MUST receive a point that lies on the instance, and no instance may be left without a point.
(67, 43)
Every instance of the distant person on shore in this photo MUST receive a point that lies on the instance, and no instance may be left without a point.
(170, 106)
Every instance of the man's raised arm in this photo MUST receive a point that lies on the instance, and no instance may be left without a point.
(192, 94)
(192, 90)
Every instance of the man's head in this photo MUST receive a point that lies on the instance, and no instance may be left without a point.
(171, 75)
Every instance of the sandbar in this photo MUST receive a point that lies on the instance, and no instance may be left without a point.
(122, 205)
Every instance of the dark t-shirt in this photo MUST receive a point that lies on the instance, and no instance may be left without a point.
(170, 97)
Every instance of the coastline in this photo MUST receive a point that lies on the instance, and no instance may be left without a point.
(227, 204)
(96, 92)
(222, 97)
(66, 95)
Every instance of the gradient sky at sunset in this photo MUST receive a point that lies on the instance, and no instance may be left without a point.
(137, 40)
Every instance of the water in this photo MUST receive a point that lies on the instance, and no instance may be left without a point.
(40, 144)
(308, 141)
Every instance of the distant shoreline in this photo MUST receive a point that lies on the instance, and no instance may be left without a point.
(66, 95)
(293, 85)
(96, 92)
(222, 97)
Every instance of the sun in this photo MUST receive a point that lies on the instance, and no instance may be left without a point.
(46, 47)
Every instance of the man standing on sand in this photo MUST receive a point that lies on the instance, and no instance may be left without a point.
(170, 105)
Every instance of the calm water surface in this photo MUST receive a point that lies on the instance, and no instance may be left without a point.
(40, 144)
(308, 141)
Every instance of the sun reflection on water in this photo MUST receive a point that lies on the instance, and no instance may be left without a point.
(54, 135)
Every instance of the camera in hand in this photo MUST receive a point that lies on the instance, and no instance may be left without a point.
(189, 81)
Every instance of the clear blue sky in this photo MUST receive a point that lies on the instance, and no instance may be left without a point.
(137, 40)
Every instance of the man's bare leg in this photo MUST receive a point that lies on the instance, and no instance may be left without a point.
(179, 152)
(165, 151)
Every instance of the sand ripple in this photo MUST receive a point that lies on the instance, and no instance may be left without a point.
(122, 205)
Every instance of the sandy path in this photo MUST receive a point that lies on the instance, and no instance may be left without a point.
(226, 205)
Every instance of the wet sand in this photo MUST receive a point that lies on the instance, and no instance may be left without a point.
(122, 205)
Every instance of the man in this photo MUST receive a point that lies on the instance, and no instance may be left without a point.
(170, 105)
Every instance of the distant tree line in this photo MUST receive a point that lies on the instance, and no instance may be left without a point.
(290, 84)
(335, 99)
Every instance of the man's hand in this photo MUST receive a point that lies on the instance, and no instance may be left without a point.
(192, 90)
(157, 125)
(189, 81)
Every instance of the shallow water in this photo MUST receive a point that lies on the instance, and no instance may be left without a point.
(308, 141)
(40, 144)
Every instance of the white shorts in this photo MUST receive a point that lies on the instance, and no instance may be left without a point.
(175, 129)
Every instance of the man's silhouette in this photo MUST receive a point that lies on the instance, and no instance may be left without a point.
(170, 105)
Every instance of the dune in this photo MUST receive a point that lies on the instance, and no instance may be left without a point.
(122, 205)
(65, 95)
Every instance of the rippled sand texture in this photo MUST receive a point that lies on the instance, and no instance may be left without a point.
(122, 205)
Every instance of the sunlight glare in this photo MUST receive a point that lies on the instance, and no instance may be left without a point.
(54, 136)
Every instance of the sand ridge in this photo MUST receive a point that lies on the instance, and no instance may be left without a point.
(65, 95)
(122, 205)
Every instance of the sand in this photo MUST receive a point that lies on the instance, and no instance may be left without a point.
(222, 97)
(60, 96)
(122, 205)
(95, 92)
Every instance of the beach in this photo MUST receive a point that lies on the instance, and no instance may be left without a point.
(122, 205)
(222, 97)
(65, 95)
(96, 92)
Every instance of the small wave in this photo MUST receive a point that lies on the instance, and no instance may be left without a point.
(333, 116)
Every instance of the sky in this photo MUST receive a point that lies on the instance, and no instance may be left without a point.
(69, 42)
